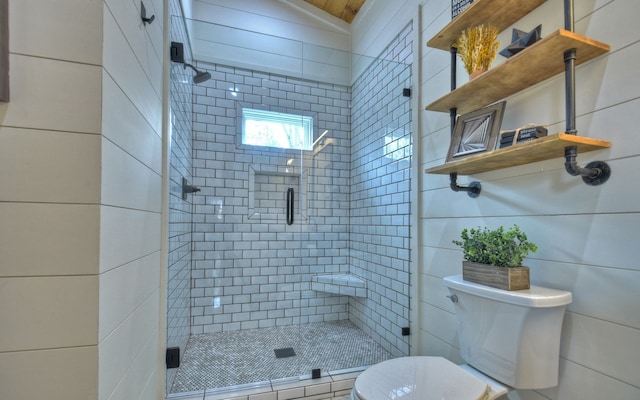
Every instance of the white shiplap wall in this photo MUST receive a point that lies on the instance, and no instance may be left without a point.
(287, 37)
(587, 235)
(80, 204)
(130, 257)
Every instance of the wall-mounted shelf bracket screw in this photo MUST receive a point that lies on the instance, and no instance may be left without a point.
(473, 190)
(594, 174)
(143, 15)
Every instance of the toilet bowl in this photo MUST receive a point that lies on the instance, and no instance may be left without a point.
(508, 336)
(424, 378)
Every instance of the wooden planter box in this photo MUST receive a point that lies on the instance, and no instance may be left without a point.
(514, 278)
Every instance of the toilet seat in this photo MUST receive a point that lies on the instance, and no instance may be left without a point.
(419, 378)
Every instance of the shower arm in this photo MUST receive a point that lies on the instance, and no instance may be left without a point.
(186, 64)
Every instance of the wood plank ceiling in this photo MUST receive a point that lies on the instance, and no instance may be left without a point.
(346, 10)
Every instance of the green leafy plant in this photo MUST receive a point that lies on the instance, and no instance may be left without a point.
(495, 247)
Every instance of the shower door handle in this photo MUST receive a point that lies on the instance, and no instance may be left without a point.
(289, 206)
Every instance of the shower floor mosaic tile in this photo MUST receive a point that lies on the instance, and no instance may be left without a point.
(240, 357)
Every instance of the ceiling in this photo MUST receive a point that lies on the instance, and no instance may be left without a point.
(346, 10)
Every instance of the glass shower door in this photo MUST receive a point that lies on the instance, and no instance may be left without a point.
(300, 240)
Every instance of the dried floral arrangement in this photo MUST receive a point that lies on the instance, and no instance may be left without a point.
(478, 47)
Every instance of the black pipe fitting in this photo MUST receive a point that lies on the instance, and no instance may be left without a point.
(570, 90)
(594, 174)
(473, 190)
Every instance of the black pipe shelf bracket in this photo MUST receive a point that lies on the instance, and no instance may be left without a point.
(474, 188)
(596, 172)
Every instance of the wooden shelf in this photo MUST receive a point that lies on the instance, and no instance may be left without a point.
(545, 148)
(501, 14)
(536, 63)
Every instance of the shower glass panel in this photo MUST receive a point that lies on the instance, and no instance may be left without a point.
(300, 261)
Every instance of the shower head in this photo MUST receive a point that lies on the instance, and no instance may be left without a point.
(177, 55)
(200, 76)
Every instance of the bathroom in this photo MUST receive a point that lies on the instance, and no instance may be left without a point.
(81, 275)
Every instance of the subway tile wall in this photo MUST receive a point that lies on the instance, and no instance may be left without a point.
(380, 194)
(179, 263)
(250, 272)
(250, 268)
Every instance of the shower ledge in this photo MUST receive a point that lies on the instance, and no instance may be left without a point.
(343, 284)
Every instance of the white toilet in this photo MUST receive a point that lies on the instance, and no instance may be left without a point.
(510, 339)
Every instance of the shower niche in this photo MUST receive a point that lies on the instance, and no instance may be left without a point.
(269, 188)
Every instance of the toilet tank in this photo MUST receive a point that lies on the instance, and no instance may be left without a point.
(511, 336)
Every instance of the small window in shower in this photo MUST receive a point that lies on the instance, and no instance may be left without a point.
(276, 129)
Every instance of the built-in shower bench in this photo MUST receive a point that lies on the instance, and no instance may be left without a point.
(344, 284)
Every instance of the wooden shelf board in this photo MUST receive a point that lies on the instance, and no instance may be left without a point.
(479, 12)
(536, 63)
(541, 149)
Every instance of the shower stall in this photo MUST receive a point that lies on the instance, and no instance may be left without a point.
(293, 257)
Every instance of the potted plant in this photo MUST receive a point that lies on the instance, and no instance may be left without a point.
(494, 257)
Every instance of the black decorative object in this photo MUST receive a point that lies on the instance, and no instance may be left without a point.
(458, 6)
(507, 138)
(520, 40)
(529, 133)
(521, 135)
(476, 131)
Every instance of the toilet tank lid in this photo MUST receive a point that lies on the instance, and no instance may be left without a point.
(535, 297)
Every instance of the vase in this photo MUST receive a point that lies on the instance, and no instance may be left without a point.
(476, 74)
(506, 278)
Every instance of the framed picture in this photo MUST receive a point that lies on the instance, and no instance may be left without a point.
(476, 131)
(458, 6)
